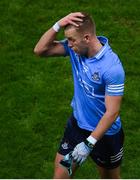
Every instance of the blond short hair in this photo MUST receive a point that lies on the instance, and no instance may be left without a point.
(87, 25)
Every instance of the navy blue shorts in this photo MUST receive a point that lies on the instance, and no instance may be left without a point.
(107, 152)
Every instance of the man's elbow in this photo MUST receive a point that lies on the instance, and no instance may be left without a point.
(116, 114)
(113, 114)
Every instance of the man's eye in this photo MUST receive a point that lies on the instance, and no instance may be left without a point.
(71, 40)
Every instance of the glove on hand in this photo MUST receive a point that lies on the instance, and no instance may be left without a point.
(83, 149)
(81, 152)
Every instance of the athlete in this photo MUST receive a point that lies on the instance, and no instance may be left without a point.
(94, 129)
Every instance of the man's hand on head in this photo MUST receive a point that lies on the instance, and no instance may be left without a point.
(71, 18)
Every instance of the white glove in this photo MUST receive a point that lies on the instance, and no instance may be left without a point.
(83, 149)
(80, 153)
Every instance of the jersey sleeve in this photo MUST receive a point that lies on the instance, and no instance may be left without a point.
(114, 81)
(65, 44)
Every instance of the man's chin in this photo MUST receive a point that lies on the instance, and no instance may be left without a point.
(75, 50)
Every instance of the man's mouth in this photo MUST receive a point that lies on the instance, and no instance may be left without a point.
(74, 49)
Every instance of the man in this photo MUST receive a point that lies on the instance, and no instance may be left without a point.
(94, 128)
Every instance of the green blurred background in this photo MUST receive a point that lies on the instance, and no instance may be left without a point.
(35, 93)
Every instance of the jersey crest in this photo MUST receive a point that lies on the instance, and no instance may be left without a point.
(96, 76)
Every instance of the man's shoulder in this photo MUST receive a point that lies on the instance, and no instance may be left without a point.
(109, 60)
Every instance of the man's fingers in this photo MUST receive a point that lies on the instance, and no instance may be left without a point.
(74, 155)
(79, 159)
(77, 19)
(78, 14)
(73, 23)
(82, 161)
(74, 17)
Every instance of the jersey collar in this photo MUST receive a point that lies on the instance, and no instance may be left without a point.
(103, 50)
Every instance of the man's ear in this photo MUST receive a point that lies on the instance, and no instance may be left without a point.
(87, 37)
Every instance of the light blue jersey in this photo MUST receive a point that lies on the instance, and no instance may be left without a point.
(94, 78)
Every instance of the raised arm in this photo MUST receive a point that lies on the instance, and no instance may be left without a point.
(47, 45)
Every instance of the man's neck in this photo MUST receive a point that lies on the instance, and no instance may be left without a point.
(94, 47)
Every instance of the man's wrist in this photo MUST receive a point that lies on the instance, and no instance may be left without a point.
(56, 27)
(90, 142)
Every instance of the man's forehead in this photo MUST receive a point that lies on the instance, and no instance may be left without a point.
(71, 32)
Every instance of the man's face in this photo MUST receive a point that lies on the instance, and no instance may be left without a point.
(76, 41)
